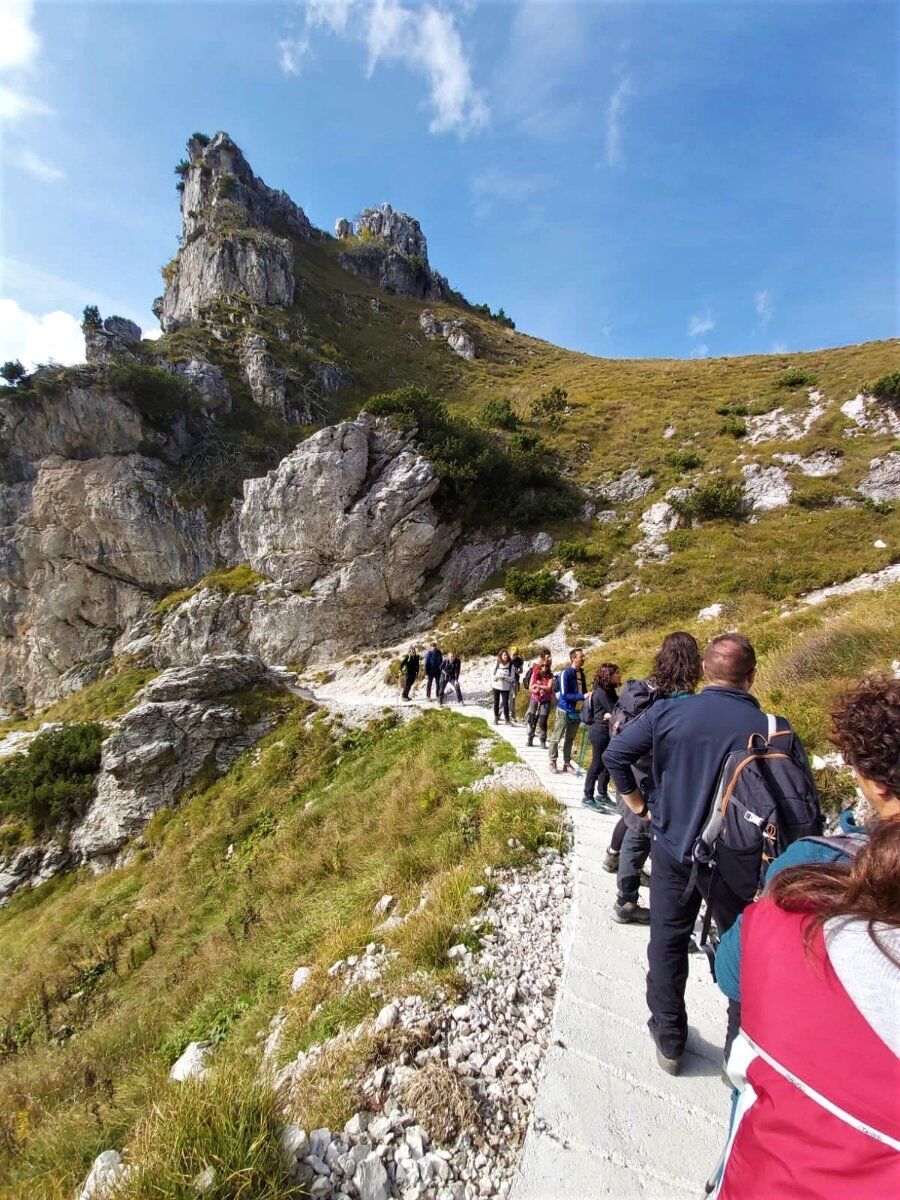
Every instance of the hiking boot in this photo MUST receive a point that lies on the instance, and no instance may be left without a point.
(496, 720)
(554, 769)
(509, 721)
(568, 769)
(592, 804)
(543, 743)
(671, 1066)
(644, 879)
(630, 913)
(611, 862)
(529, 741)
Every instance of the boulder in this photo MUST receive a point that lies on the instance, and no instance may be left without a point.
(629, 486)
(266, 378)
(658, 520)
(765, 488)
(329, 376)
(453, 332)
(711, 613)
(783, 424)
(192, 1063)
(816, 466)
(207, 379)
(460, 343)
(869, 416)
(343, 228)
(882, 481)
(106, 1174)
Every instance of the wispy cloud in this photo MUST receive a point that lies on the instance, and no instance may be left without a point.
(615, 112)
(779, 348)
(37, 166)
(423, 38)
(533, 83)
(19, 47)
(700, 351)
(495, 188)
(701, 323)
(33, 339)
(765, 306)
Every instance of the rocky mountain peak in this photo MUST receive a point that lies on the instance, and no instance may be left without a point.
(398, 229)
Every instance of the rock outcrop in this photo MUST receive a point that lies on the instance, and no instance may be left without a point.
(453, 332)
(392, 254)
(882, 482)
(182, 723)
(207, 379)
(109, 340)
(765, 488)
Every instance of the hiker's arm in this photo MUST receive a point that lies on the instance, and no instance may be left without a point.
(728, 961)
(634, 741)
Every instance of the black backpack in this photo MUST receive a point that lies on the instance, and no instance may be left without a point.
(764, 801)
(635, 698)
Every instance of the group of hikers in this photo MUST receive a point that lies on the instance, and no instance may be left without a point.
(802, 930)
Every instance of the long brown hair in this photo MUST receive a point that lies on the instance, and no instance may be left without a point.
(605, 674)
(868, 889)
(678, 666)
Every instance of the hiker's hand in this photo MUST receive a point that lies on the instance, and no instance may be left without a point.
(636, 802)
(607, 717)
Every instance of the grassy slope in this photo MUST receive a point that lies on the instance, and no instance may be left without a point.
(190, 941)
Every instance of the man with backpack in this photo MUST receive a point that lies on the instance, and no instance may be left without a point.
(570, 696)
(694, 742)
(433, 660)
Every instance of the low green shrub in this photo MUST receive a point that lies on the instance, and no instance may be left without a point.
(815, 493)
(498, 414)
(550, 407)
(158, 396)
(570, 553)
(796, 377)
(733, 410)
(535, 587)
(733, 426)
(887, 389)
(54, 780)
(683, 460)
(717, 500)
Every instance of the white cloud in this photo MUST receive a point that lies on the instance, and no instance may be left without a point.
(54, 336)
(533, 86)
(495, 187)
(422, 38)
(765, 306)
(615, 112)
(701, 323)
(37, 166)
(700, 351)
(18, 41)
(14, 105)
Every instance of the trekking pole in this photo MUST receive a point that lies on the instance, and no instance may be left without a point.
(582, 750)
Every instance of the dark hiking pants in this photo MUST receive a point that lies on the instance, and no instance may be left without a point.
(432, 679)
(634, 852)
(597, 775)
(408, 681)
(671, 925)
(618, 836)
(449, 683)
(501, 696)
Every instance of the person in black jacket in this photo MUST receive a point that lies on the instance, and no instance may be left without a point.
(409, 669)
(687, 739)
(433, 660)
(450, 669)
(602, 702)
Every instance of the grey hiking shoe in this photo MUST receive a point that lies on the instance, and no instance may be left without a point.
(671, 1066)
(611, 862)
(631, 913)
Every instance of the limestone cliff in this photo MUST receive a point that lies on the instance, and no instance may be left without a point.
(391, 253)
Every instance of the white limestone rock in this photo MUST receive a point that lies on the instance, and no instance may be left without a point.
(816, 466)
(765, 488)
(207, 379)
(882, 482)
(106, 1174)
(192, 1063)
(711, 613)
(300, 978)
(784, 425)
(629, 486)
(869, 416)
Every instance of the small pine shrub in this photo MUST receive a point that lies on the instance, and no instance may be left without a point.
(90, 317)
(13, 372)
(733, 426)
(797, 377)
(158, 396)
(683, 460)
(570, 553)
(887, 389)
(200, 138)
(550, 407)
(536, 587)
(182, 167)
(498, 414)
(733, 410)
(815, 493)
(718, 500)
(54, 780)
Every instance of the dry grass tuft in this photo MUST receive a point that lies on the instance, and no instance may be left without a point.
(439, 1101)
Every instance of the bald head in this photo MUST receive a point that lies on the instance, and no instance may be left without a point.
(730, 661)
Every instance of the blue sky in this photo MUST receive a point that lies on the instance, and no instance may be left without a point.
(628, 179)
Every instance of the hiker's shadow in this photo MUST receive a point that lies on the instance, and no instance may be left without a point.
(701, 1057)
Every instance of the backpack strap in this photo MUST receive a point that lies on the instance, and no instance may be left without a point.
(848, 844)
(773, 726)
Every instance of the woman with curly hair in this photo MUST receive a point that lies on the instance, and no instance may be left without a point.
(819, 978)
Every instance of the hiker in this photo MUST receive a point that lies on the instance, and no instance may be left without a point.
(517, 664)
(540, 691)
(596, 714)
(450, 669)
(570, 696)
(501, 685)
(677, 669)
(817, 1060)
(409, 669)
(865, 727)
(688, 739)
(433, 660)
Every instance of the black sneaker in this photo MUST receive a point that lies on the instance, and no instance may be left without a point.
(671, 1066)
(592, 804)
(631, 913)
(529, 741)
(611, 862)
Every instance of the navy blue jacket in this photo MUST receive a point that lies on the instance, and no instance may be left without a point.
(433, 660)
(572, 690)
(687, 737)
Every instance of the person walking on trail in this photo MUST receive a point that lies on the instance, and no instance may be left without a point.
(502, 685)
(433, 660)
(518, 664)
(865, 728)
(409, 669)
(677, 669)
(450, 669)
(688, 740)
(817, 964)
(572, 692)
(541, 699)
(596, 714)
(817, 1060)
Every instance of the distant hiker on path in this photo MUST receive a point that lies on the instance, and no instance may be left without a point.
(409, 669)
(540, 690)
(572, 692)
(433, 660)
(450, 669)
(596, 714)
(688, 740)
(517, 664)
(502, 685)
